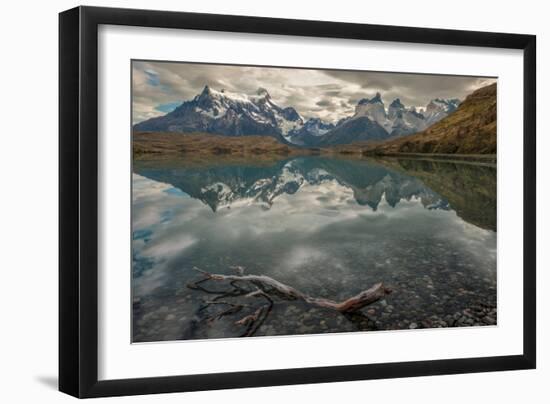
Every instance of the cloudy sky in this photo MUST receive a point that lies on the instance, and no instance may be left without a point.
(158, 87)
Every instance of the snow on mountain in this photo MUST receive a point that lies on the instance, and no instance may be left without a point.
(407, 121)
(228, 114)
(317, 127)
(310, 132)
(374, 110)
(356, 129)
(395, 109)
(371, 115)
(438, 109)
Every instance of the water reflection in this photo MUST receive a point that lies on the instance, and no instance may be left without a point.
(330, 227)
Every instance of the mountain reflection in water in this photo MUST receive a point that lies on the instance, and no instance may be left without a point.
(329, 227)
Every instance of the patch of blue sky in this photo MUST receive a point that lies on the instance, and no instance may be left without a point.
(166, 216)
(168, 107)
(152, 77)
(175, 191)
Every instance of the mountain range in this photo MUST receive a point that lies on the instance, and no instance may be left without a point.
(471, 129)
(231, 114)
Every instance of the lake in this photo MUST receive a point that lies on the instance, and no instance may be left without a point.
(328, 227)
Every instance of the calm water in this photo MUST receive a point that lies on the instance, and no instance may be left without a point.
(329, 228)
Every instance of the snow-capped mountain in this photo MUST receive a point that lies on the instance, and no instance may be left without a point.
(228, 114)
(439, 108)
(395, 108)
(374, 110)
(317, 127)
(310, 133)
(372, 121)
(405, 121)
(354, 129)
(231, 114)
(399, 120)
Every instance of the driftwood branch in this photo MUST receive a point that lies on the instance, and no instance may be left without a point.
(270, 285)
(265, 287)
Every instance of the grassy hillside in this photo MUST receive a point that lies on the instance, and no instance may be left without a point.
(471, 129)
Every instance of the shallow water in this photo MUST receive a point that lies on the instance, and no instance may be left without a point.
(327, 227)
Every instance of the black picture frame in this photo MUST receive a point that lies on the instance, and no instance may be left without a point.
(78, 201)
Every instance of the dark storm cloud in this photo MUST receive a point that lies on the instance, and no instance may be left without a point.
(328, 94)
(325, 103)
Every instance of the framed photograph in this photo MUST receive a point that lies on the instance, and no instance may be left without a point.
(251, 201)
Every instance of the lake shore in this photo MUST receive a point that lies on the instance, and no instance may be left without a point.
(262, 149)
(490, 159)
